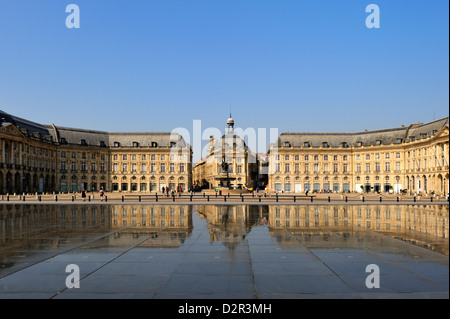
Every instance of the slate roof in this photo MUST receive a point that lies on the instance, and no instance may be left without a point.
(366, 138)
(75, 136)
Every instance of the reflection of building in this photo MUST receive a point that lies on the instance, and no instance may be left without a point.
(20, 222)
(47, 158)
(168, 225)
(413, 158)
(231, 224)
(426, 225)
(231, 149)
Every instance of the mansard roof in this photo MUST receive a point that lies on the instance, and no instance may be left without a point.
(28, 128)
(366, 138)
(84, 137)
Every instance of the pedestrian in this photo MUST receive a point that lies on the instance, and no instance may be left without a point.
(83, 195)
(163, 190)
(101, 193)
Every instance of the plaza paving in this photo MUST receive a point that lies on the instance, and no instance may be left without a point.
(263, 263)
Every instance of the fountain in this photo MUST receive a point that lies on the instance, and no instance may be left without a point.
(224, 177)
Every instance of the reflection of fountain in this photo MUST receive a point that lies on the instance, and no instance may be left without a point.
(224, 179)
(229, 225)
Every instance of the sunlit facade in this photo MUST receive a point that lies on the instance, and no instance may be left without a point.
(47, 158)
(413, 159)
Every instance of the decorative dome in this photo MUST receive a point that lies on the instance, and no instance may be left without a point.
(230, 121)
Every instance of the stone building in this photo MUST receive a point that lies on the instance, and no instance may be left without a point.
(412, 158)
(46, 158)
(231, 149)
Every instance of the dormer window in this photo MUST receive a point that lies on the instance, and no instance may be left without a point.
(399, 140)
(306, 144)
(102, 144)
(325, 144)
(359, 144)
(116, 144)
(378, 142)
(173, 144)
(412, 138)
(83, 143)
(344, 144)
(423, 135)
(135, 144)
(287, 144)
(63, 140)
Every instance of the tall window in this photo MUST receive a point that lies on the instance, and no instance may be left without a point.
(277, 167)
(124, 167)
(316, 168)
(387, 167)
(163, 167)
(286, 167)
(239, 169)
(181, 167)
(345, 167)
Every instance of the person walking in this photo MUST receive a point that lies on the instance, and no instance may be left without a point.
(83, 195)
(101, 193)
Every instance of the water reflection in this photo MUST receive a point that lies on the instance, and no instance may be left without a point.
(57, 227)
(423, 225)
(231, 224)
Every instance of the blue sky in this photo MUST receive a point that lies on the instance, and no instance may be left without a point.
(290, 64)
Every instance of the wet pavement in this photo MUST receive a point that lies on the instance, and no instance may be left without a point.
(223, 252)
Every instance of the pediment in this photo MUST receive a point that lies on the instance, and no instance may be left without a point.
(11, 129)
(443, 132)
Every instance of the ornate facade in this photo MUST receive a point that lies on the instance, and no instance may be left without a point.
(46, 158)
(412, 159)
(231, 150)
